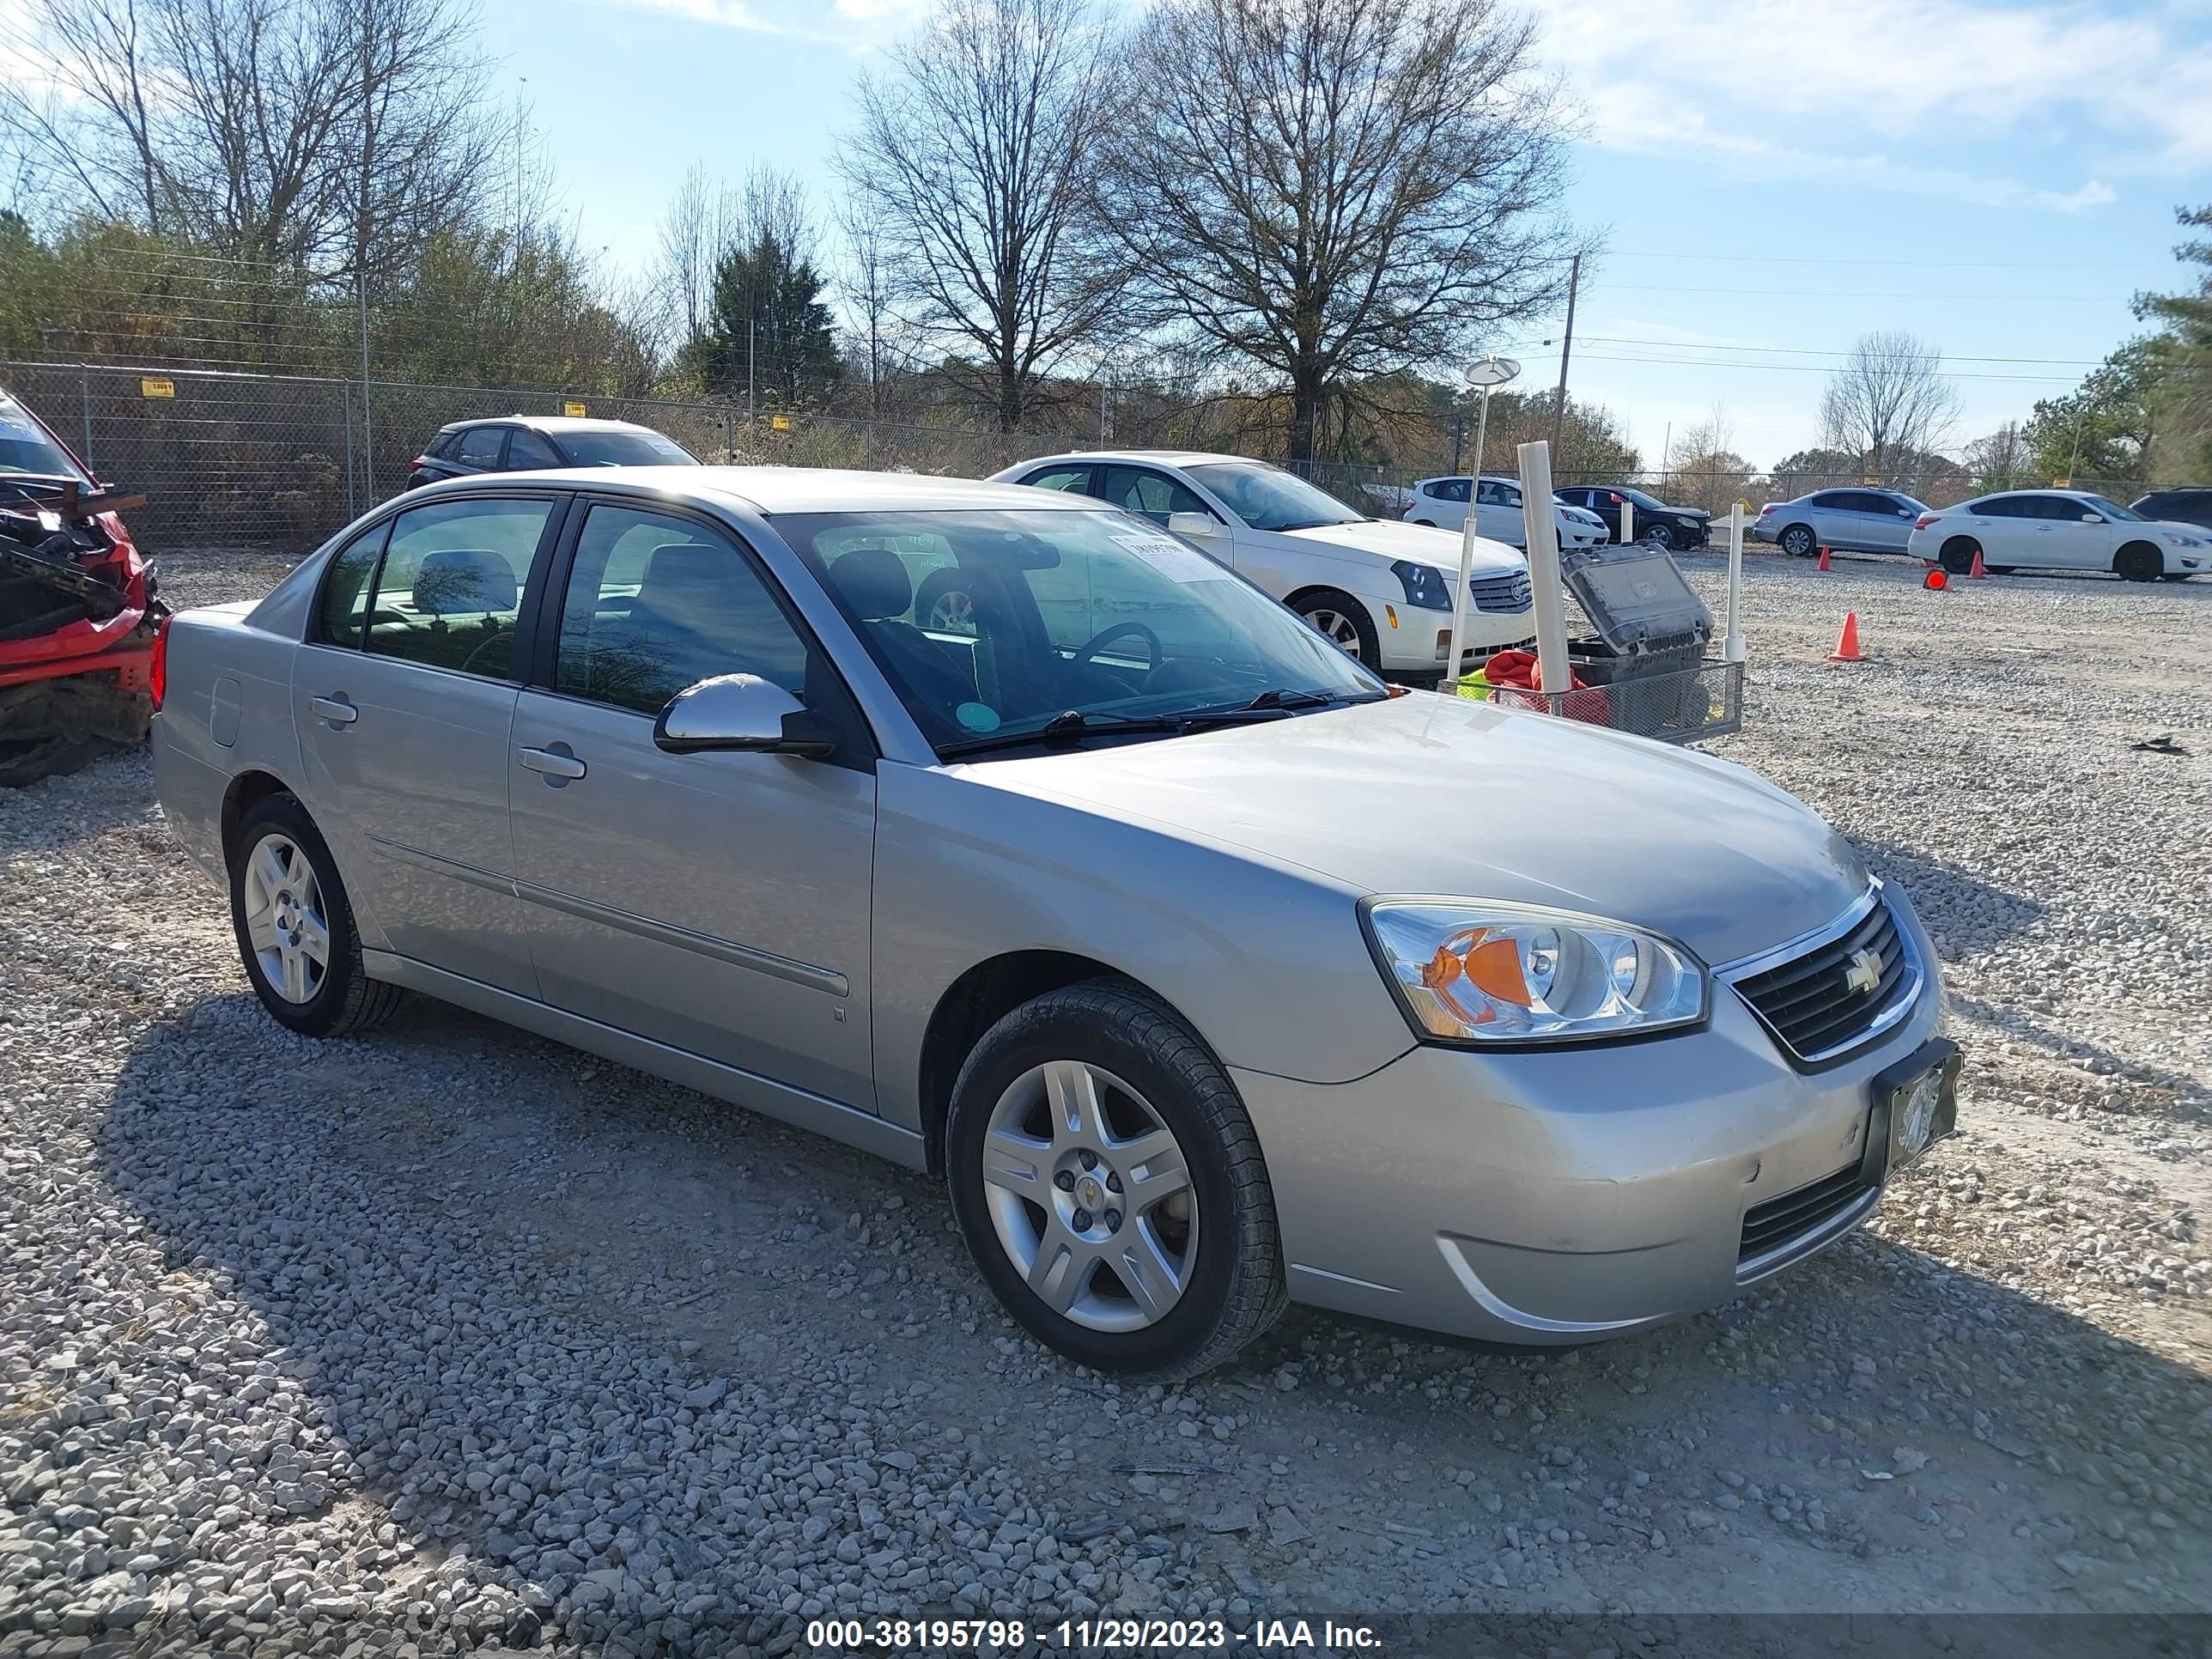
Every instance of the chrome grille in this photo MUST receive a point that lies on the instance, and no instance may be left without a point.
(1501, 593)
(1817, 1003)
(1780, 1222)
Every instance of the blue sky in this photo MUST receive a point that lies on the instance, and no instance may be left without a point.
(1774, 177)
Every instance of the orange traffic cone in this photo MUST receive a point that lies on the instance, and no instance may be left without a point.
(1823, 565)
(1847, 642)
(1937, 581)
(1978, 570)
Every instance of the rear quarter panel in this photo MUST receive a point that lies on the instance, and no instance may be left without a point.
(227, 711)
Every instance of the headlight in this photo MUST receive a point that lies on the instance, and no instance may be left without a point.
(1424, 584)
(1479, 970)
(2185, 541)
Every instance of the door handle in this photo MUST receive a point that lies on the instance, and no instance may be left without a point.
(336, 710)
(551, 764)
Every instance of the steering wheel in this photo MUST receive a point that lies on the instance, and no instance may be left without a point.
(1090, 650)
(499, 636)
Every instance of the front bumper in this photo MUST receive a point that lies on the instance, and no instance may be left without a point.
(1562, 1196)
(1422, 639)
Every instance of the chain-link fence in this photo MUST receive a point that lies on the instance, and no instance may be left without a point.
(230, 459)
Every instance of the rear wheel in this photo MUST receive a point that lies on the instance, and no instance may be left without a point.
(2139, 562)
(296, 929)
(1798, 542)
(1109, 1185)
(1957, 556)
(1345, 620)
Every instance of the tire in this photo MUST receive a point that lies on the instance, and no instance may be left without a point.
(2139, 562)
(1957, 555)
(944, 591)
(1658, 537)
(1215, 1264)
(280, 863)
(2178, 575)
(1997, 569)
(1345, 621)
(1798, 541)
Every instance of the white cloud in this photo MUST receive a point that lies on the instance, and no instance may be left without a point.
(1835, 89)
(856, 25)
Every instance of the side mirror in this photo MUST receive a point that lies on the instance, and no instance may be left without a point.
(2093, 518)
(1201, 526)
(743, 713)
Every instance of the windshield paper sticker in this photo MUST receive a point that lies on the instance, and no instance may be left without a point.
(1171, 558)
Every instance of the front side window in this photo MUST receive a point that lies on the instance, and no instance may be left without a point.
(1154, 494)
(639, 448)
(451, 584)
(2111, 510)
(657, 602)
(345, 587)
(527, 451)
(1267, 498)
(1098, 613)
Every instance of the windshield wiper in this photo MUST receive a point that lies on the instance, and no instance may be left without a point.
(1075, 724)
(1277, 697)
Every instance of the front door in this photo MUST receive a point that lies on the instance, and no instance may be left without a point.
(403, 703)
(716, 902)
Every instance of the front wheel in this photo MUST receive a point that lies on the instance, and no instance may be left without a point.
(1345, 621)
(1659, 538)
(1110, 1184)
(294, 926)
(2139, 562)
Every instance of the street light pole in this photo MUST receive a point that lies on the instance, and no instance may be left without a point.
(1489, 373)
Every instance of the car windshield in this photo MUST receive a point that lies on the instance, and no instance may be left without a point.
(624, 449)
(2111, 510)
(991, 623)
(1651, 503)
(1906, 503)
(25, 448)
(1267, 498)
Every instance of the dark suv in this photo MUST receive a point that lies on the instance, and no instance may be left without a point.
(2191, 505)
(1671, 527)
(536, 443)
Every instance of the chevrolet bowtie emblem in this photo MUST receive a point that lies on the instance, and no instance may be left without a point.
(1863, 974)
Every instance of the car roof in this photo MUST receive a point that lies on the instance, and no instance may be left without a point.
(772, 489)
(1162, 457)
(554, 423)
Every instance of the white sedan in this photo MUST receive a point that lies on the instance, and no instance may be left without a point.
(1381, 590)
(1442, 503)
(2059, 529)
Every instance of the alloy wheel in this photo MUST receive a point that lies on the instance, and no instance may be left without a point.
(1339, 628)
(1090, 1196)
(285, 920)
(952, 613)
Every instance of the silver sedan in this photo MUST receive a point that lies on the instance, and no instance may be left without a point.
(1209, 973)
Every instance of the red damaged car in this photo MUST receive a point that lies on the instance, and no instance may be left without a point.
(79, 623)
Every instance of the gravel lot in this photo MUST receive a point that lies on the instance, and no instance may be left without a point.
(450, 1338)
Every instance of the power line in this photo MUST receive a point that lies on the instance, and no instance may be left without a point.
(1866, 293)
(1916, 265)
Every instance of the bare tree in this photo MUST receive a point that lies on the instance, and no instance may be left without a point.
(1890, 404)
(2002, 460)
(1339, 190)
(975, 148)
(698, 226)
(866, 288)
(323, 136)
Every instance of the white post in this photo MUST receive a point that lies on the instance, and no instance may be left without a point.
(1732, 641)
(1467, 552)
(1542, 525)
(1627, 521)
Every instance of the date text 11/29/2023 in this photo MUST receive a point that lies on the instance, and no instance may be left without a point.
(930, 1636)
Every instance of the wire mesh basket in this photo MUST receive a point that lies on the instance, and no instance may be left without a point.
(1680, 706)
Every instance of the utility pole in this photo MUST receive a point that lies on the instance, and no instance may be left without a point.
(1566, 349)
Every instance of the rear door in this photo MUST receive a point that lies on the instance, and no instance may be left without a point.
(405, 701)
(2007, 535)
(715, 903)
(1498, 512)
(1832, 519)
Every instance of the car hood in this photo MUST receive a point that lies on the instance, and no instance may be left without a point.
(1424, 794)
(2181, 527)
(1414, 541)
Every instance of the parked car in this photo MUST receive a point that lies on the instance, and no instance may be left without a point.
(532, 443)
(1848, 520)
(2188, 506)
(1442, 503)
(2060, 530)
(1210, 973)
(1381, 590)
(1672, 529)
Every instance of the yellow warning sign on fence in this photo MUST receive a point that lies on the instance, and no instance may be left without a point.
(153, 386)
(573, 409)
(779, 423)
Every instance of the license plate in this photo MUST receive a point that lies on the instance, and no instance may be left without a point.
(1916, 1101)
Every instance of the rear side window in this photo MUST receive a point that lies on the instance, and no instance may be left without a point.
(345, 587)
(481, 446)
(1154, 494)
(1074, 478)
(527, 450)
(443, 445)
(1999, 506)
(451, 584)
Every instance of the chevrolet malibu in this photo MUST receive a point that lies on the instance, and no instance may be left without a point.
(1209, 972)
